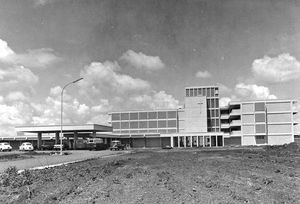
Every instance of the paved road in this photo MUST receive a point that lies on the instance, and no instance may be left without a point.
(46, 160)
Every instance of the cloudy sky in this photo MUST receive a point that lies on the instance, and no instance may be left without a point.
(136, 54)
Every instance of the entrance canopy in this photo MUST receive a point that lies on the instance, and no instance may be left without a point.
(66, 128)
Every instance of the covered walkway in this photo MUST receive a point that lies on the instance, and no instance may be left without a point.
(70, 132)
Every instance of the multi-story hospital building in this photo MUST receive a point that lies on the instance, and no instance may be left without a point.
(199, 123)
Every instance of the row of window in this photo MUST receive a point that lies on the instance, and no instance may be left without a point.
(145, 124)
(212, 103)
(271, 118)
(209, 92)
(213, 113)
(162, 131)
(144, 115)
(213, 122)
(268, 107)
(263, 129)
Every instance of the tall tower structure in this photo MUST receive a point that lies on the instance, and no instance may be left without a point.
(206, 97)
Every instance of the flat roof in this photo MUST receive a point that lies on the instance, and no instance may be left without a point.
(196, 87)
(142, 111)
(66, 128)
(262, 100)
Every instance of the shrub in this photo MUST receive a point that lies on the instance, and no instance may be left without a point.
(13, 179)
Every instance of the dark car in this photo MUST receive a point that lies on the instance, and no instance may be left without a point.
(47, 146)
(97, 146)
(117, 145)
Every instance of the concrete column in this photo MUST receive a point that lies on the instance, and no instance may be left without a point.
(184, 141)
(191, 141)
(57, 138)
(75, 139)
(210, 141)
(69, 142)
(203, 144)
(197, 141)
(178, 143)
(39, 140)
(172, 141)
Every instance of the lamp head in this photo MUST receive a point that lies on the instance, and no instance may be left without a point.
(77, 80)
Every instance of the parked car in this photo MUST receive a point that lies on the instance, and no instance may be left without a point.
(96, 144)
(117, 145)
(47, 146)
(26, 146)
(56, 147)
(5, 146)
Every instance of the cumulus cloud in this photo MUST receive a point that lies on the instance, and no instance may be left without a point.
(104, 82)
(142, 61)
(36, 58)
(203, 74)
(253, 91)
(17, 78)
(282, 68)
(104, 79)
(224, 101)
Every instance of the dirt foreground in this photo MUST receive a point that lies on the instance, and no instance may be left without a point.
(269, 175)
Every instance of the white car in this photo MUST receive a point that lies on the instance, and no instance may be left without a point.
(4, 146)
(26, 146)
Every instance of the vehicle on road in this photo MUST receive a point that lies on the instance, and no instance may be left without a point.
(96, 144)
(26, 146)
(5, 146)
(57, 147)
(117, 145)
(47, 146)
(167, 147)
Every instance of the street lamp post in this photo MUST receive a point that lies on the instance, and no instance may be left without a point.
(61, 112)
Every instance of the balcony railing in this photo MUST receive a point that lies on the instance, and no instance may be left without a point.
(225, 125)
(235, 133)
(235, 123)
(235, 112)
(224, 116)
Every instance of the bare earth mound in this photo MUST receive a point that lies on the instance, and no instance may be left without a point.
(174, 176)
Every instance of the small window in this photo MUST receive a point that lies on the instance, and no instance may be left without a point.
(115, 116)
(199, 92)
(171, 123)
(187, 93)
(208, 92)
(134, 125)
(125, 125)
(260, 128)
(133, 116)
(260, 117)
(191, 92)
(162, 115)
(152, 124)
(124, 116)
(143, 115)
(116, 125)
(152, 115)
(259, 106)
(260, 137)
(143, 124)
(212, 92)
(162, 124)
(172, 114)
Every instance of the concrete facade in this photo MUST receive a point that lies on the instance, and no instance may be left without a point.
(260, 122)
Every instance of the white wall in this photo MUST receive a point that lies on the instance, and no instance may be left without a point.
(195, 114)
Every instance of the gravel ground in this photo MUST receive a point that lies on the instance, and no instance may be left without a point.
(269, 175)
